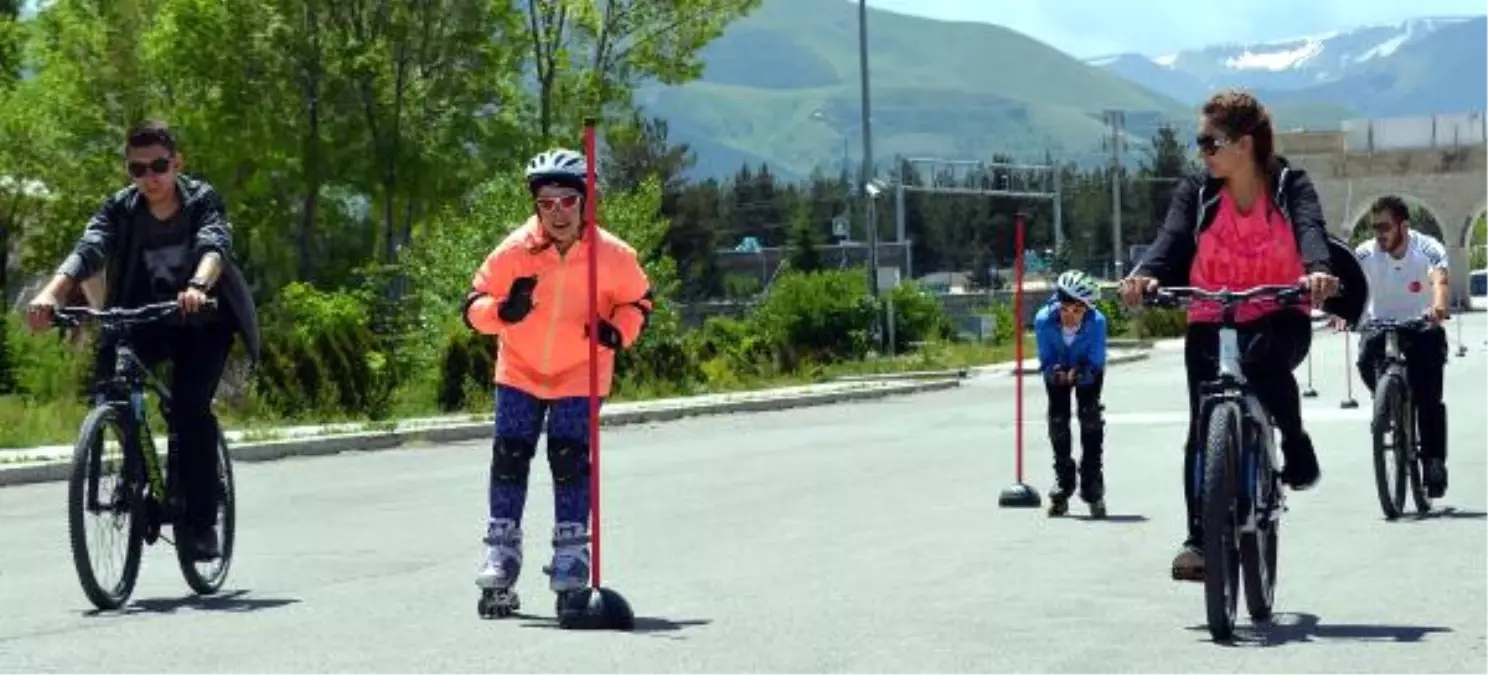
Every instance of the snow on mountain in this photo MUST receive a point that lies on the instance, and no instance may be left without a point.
(1277, 65)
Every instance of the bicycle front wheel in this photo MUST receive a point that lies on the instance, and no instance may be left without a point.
(107, 575)
(206, 577)
(1391, 440)
(1415, 464)
(1221, 554)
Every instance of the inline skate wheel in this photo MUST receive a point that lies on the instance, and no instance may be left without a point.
(496, 604)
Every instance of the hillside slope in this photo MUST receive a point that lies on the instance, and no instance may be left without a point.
(782, 86)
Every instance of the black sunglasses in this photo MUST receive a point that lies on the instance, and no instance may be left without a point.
(1210, 144)
(159, 165)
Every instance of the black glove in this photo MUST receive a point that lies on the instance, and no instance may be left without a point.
(518, 301)
(609, 335)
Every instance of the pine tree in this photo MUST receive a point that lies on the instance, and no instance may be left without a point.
(804, 239)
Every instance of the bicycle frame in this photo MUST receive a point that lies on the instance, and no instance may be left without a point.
(126, 392)
(125, 389)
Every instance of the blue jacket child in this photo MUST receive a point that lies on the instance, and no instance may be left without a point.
(1085, 353)
(1081, 351)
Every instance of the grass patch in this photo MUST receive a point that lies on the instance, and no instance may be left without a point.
(25, 423)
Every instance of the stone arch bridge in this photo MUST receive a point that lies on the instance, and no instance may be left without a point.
(1437, 162)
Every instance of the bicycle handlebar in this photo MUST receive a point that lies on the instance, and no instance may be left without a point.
(1173, 296)
(1420, 323)
(118, 317)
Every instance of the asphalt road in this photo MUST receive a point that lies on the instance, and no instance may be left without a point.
(862, 537)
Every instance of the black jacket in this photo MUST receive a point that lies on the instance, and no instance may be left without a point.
(1193, 208)
(110, 243)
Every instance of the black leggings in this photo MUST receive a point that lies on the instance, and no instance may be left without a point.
(1271, 347)
(1092, 429)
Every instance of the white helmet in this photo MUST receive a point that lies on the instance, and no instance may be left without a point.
(561, 166)
(1078, 285)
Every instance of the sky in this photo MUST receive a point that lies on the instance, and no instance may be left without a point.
(1087, 28)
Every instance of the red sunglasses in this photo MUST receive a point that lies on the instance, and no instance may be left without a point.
(549, 203)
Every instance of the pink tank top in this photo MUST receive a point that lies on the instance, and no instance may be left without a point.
(1241, 250)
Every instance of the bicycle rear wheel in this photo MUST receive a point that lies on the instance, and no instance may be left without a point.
(122, 507)
(206, 578)
(1390, 442)
(1221, 555)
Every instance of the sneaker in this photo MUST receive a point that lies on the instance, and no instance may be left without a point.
(204, 544)
(1301, 471)
(1188, 565)
(1436, 478)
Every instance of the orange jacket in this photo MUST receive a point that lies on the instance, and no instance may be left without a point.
(546, 354)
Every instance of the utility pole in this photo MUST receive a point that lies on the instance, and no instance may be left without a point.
(868, 158)
(1117, 120)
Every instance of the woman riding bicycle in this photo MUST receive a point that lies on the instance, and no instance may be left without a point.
(1071, 335)
(532, 293)
(1250, 220)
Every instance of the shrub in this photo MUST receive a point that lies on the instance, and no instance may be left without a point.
(817, 317)
(918, 317)
(325, 357)
(1162, 323)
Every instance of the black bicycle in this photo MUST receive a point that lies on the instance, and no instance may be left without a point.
(139, 501)
(1238, 475)
(1397, 456)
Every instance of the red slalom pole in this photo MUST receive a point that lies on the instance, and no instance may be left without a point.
(595, 608)
(1020, 494)
(591, 231)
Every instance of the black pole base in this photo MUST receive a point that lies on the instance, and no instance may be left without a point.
(1310, 393)
(1461, 350)
(1349, 404)
(595, 609)
(1019, 496)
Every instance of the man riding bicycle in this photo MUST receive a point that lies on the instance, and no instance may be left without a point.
(1407, 272)
(166, 237)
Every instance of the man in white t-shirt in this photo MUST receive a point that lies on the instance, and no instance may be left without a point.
(1407, 273)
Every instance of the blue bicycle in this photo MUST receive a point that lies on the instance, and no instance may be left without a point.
(1238, 475)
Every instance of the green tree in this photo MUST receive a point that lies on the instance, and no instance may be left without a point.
(804, 240)
(589, 56)
(639, 149)
(1166, 163)
(12, 41)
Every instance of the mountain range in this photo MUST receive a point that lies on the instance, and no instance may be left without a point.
(1416, 67)
(782, 86)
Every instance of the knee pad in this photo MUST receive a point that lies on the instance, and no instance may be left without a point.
(511, 458)
(1091, 419)
(569, 460)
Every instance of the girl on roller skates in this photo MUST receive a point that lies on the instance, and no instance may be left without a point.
(532, 294)
(1071, 335)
